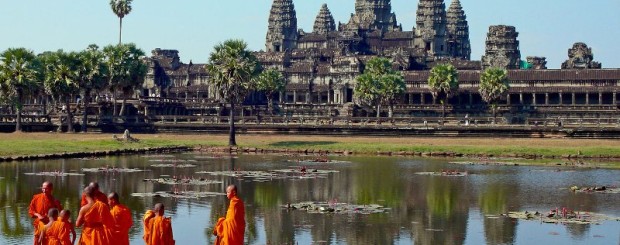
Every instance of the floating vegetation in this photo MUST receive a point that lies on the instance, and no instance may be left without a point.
(158, 156)
(596, 189)
(90, 158)
(184, 181)
(216, 157)
(335, 207)
(112, 170)
(172, 160)
(563, 217)
(54, 174)
(317, 160)
(164, 165)
(492, 163)
(444, 173)
(179, 194)
(262, 176)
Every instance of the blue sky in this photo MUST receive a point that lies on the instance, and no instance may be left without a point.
(547, 27)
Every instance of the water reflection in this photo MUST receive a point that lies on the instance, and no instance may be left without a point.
(423, 209)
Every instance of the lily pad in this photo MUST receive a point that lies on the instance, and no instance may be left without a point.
(571, 217)
(112, 170)
(445, 173)
(184, 181)
(596, 189)
(336, 208)
(262, 176)
(55, 174)
(158, 156)
(164, 165)
(179, 194)
(172, 160)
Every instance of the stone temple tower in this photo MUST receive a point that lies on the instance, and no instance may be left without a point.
(431, 22)
(458, 32)
(373, 15)
(282, 32)
(324, 22)
(502, 48)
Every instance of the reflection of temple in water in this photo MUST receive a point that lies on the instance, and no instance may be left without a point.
(321, 66)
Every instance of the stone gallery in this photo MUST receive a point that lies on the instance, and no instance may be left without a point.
(321, 67)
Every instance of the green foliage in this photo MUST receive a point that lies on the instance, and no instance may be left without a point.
(92, 70)
(233, 69)
(443, 81)
(124, 66)
(493, 84)
(19, 75)
(379, 84)
(60, 73)
(121, 7)
(270, 81)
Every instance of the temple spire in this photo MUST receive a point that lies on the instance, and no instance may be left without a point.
(373, 15)
(431, 29)
(324, 22)
(282, 33)
(458, 32)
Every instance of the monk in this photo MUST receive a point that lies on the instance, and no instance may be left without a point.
(40, 205)
(97, 221)
(157, 228)
(230, 230)
(45, 237)
(65, 236)
(98, 195)
(122, 219)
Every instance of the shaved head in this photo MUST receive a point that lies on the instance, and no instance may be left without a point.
(89, 191)
(52, 213)
(159, 209)
(231, 191)
(47, 187)
(94, 185)
(113, 199)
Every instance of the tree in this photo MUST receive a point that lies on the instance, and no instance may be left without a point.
(90, 77)
(19, 76)
(121, 8)
(60, 79)
(270, 82)
(233, 69)
(443, 83)
(380, 85)
(493, 86)
(125, 71)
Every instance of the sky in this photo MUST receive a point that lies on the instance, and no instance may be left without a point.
(546, 27)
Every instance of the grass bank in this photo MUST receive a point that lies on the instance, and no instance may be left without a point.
(47, 143)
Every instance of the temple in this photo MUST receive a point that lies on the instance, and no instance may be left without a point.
(321, 67)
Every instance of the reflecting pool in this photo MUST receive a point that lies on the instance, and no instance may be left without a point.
(422, 209)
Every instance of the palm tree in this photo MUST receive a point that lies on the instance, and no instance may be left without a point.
(120, 8)
(90, 77)
(233, 69)
(380, 84)
(443, 83)
(19, 76)
(61, 81)
(270, 82)
(493, 86)
(125, 70)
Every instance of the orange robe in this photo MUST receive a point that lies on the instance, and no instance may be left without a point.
(122, 224)
(58, 234)
(157, 230)
(98, 223)
(41, 203)
(230, 230)
(98, 196)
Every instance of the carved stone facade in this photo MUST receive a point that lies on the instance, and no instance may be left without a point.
(321, 66)
(458, 32)
(502, 48)
(324, 22)
(580, 57)
(282, 33)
